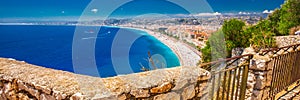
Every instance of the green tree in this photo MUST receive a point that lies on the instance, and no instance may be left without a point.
(221, 43)
(235, 35)
(262, 35)
(275, 19)
(215, 48)
(283, 19)
(233, 30)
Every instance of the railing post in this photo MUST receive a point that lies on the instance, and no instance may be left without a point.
(244, 82)
(230, 82)
(274, 71)
(260, 75)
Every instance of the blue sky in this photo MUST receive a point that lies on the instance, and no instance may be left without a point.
(244, 5)
(64, 8)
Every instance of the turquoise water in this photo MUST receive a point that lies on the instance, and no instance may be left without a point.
(51, 46)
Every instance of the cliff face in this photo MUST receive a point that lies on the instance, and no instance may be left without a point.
(19, 80)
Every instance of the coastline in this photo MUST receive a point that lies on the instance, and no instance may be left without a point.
(186, 55)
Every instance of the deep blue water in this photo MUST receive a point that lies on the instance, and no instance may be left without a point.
(51, 46)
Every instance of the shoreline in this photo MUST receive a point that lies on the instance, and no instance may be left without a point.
(185, 54)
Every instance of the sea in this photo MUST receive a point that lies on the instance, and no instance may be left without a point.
(53, 46)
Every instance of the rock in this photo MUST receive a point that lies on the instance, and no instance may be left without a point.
(111, 97)
(249, 50)
(140, 93)
(34, 92)
(22, 96)
(203, 94)
(12, 95)
(202, 86)
(14, 85)
(2, 95)
(237, 51)
(256, 94)
(7, 88)
(47, 97)
(43, 88)
(49, 84)
(260, 94)
(162, 89)
(180, 84)
(1, 84)
(259, 63)
(188, 92)
(205, 77)
(168, 96)
(31, 90)
(58, 95)
(287, 40)
(22, 86)
(122, 97)
(260, 83)
(77, 96)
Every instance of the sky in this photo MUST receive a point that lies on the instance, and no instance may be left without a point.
(75, 8)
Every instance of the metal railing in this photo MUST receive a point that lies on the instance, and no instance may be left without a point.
(284, 49)
(229, 78)
(286, 68)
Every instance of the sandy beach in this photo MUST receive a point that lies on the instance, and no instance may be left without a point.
(187, 55)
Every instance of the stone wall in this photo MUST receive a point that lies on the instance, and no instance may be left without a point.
(261, 68)
(287, 40)
(260, 76)
(19, 80)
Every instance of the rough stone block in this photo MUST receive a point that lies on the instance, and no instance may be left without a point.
(188, 92)
(162, 89)
(168, 96)
(140, 93)
(179, 85)
(47, 97)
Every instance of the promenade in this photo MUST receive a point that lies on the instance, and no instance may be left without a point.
(187, 55)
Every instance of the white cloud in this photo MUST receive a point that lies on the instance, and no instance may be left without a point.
(217, 13)
(268, 12)
(208, 14)
(94, 10)
(244, 13)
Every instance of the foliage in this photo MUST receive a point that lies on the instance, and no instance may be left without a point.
(233, 30)
(215, 48)
(262, 35)
(263, 40)
(285, 18)
(234, 35)
(281, 22)
(237, 34)
(221, 43)
(274, 19)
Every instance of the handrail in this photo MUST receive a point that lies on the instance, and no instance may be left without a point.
(225, 60)
(236, 69)
(231, 81)
(264, 52)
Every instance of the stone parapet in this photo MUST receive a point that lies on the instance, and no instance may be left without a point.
(19, 80)
(282, 41)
